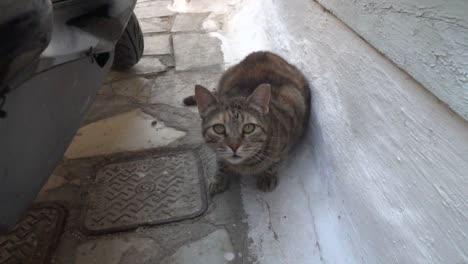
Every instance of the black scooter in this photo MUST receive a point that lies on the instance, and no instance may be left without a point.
(54, 56)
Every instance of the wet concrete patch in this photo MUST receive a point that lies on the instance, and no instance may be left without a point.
(129, 131)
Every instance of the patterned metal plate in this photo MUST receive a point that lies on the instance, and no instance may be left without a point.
(34, 238)
(145, 192)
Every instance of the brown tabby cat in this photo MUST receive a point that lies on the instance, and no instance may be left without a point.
(260, 110)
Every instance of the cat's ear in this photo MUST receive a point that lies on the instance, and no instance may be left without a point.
(204, 98)
(260, 98)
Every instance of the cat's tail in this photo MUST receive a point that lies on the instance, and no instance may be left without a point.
(190, 101)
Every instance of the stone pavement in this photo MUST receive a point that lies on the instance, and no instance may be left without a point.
(138, 115)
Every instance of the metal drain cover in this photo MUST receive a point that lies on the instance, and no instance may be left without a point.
(34, 238)
(145, 192)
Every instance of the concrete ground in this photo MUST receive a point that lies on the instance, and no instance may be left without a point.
(333, 202)
(142, 110)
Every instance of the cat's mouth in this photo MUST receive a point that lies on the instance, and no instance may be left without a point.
(235, 159)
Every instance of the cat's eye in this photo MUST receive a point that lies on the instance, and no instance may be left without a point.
(219, 129)
(249, 128)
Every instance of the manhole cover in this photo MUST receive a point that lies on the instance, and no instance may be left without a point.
(34, 238)
(145, 192)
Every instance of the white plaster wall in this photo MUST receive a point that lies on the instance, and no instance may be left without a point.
(426, 38)
(383, 174)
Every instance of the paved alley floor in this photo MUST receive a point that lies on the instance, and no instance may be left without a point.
(133, 180)
(131, 188)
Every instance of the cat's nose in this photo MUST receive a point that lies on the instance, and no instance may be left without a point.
(234, 147)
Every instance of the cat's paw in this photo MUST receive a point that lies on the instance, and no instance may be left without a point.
(218, 187)
(267, 183)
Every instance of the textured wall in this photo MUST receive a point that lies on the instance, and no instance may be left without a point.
(426, 38)
(383, 176)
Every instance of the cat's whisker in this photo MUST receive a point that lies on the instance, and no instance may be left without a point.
(263, 157)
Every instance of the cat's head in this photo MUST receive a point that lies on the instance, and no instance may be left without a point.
(235, 128)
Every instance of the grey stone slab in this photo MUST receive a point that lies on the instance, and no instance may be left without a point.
(193, 50)
(181, 118)
(158, 190)
(146, 66)
(142, 1)
(153, 9)
(138, 88)
(172, 87)
(216, 248)
(105, 106)
(157, 45)
(125, 249)
(184, 22)
(167, 60)
(33, 238)
(154, 25)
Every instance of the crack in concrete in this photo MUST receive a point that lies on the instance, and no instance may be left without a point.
(270, 225)
(309, 207)
(424, 14)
